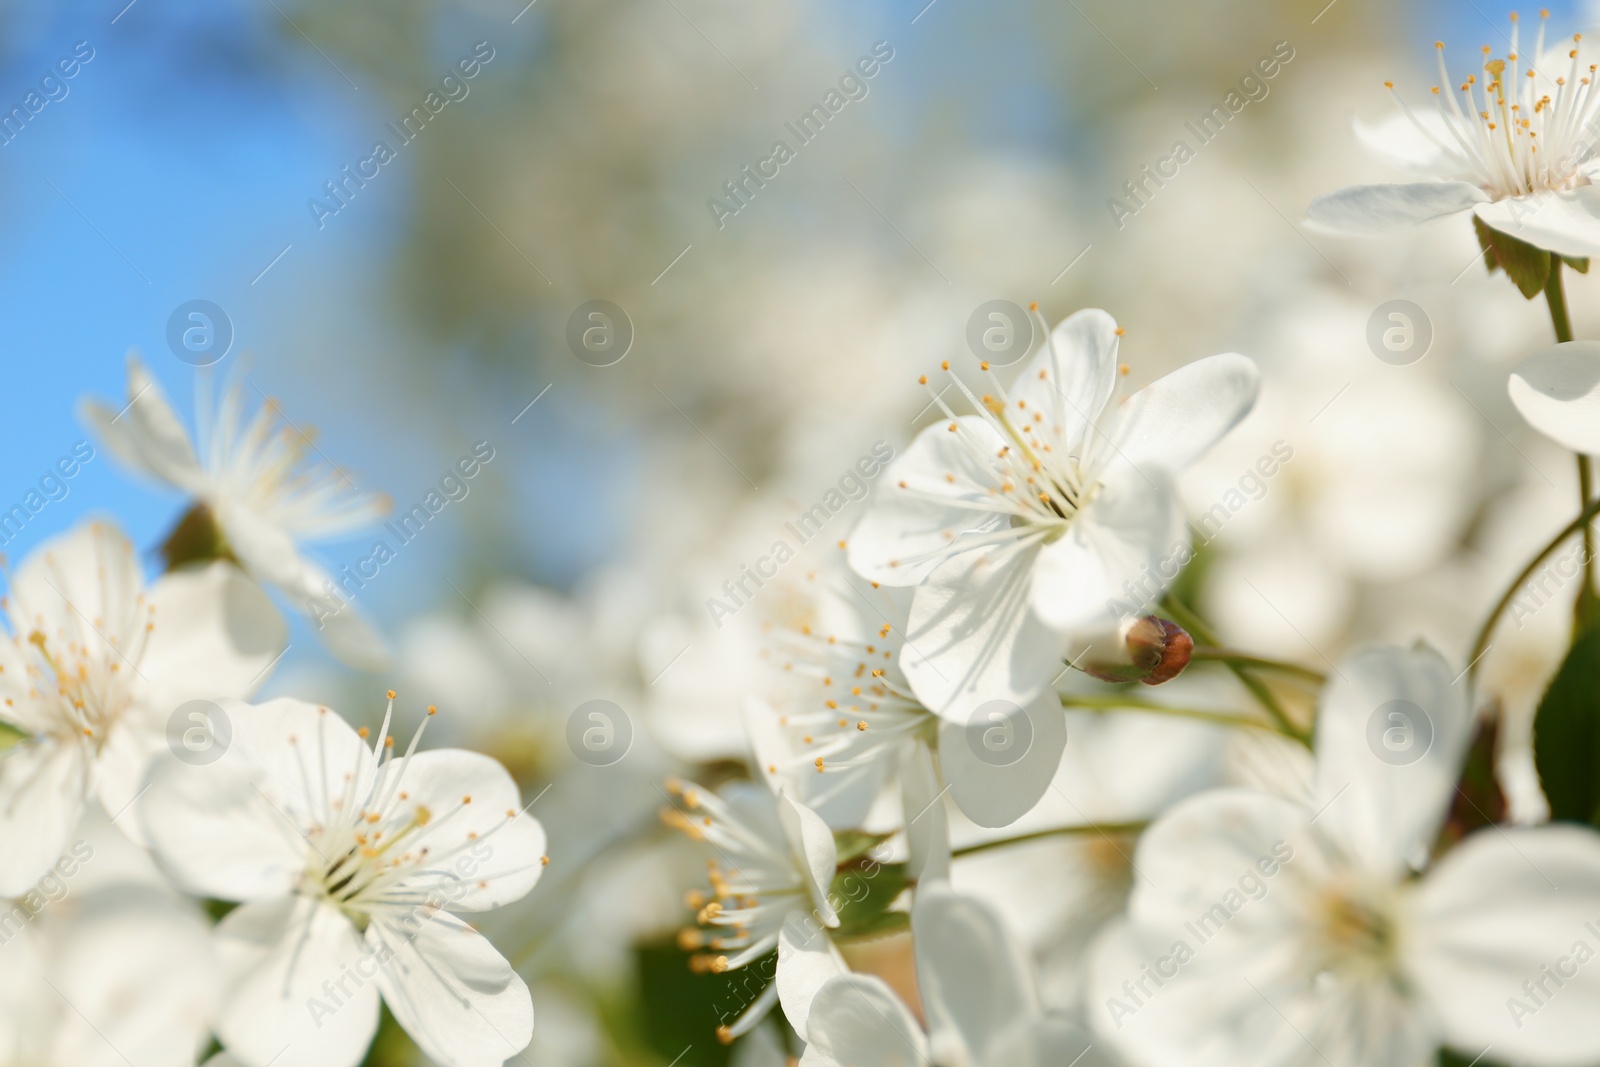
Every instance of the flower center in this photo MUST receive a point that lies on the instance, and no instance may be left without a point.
(1356, 932)
(1517, 131)
(370, 848)
(82, 685)
(864, 706)
(749, 897)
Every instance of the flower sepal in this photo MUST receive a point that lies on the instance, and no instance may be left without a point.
(1527, 266)
(197, 537)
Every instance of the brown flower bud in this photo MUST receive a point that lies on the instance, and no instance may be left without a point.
(1148, 649)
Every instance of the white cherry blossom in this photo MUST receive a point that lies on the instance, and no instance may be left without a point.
(94, 666)
(257, 480)
(1514, 144)
(349, 863)
(1051, 512)
(1275, 932)
(773, 861)
(850, 723)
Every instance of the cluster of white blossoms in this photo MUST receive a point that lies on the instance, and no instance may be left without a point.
(996, 792)
(337, 861)
(1342, 890)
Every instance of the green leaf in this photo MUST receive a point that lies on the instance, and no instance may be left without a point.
(1577, 263)
(853, 844)
(862, 894)
(881, 925)
(679, 1008)
(1585, 610)
(1566, 734)
(1528, 267)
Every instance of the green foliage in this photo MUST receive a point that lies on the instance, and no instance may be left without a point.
(680, 1009)
(1527, 267)
(1566, 734)
(854, 844)
(862, 893)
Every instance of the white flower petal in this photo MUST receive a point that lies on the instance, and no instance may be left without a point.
(765, 1046)
(267, 550)
(1176, 419)
(1047, 1042)
(1371, 210)
(1396, 138)
(857, 1021)
(972, 976)
(995, 784)
(215, 830)
(1383, 795)
(926, 820)
(270, 554)
(906, 531)
(340, 625)
(42, 789)
(458, 998)
(123, 762)
(973, 637)
(484, 850)
(215, 635)
(812, 841)
(82, 587)
(806, 962)
(1566, 223)
(1079, 368)
(306, 750)
(1116, 558)
(1557, 390)
(299, 989)
(136, 968)
(1193, 858)
(1256, 1005)
(145, 433)
(1496, 911)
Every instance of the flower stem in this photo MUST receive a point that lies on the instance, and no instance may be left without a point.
(1120, 703)
(1203, 633)
(1245, 659)
(1555, 295)
(1105, 829)
(1481, 646)
(1586, 611)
